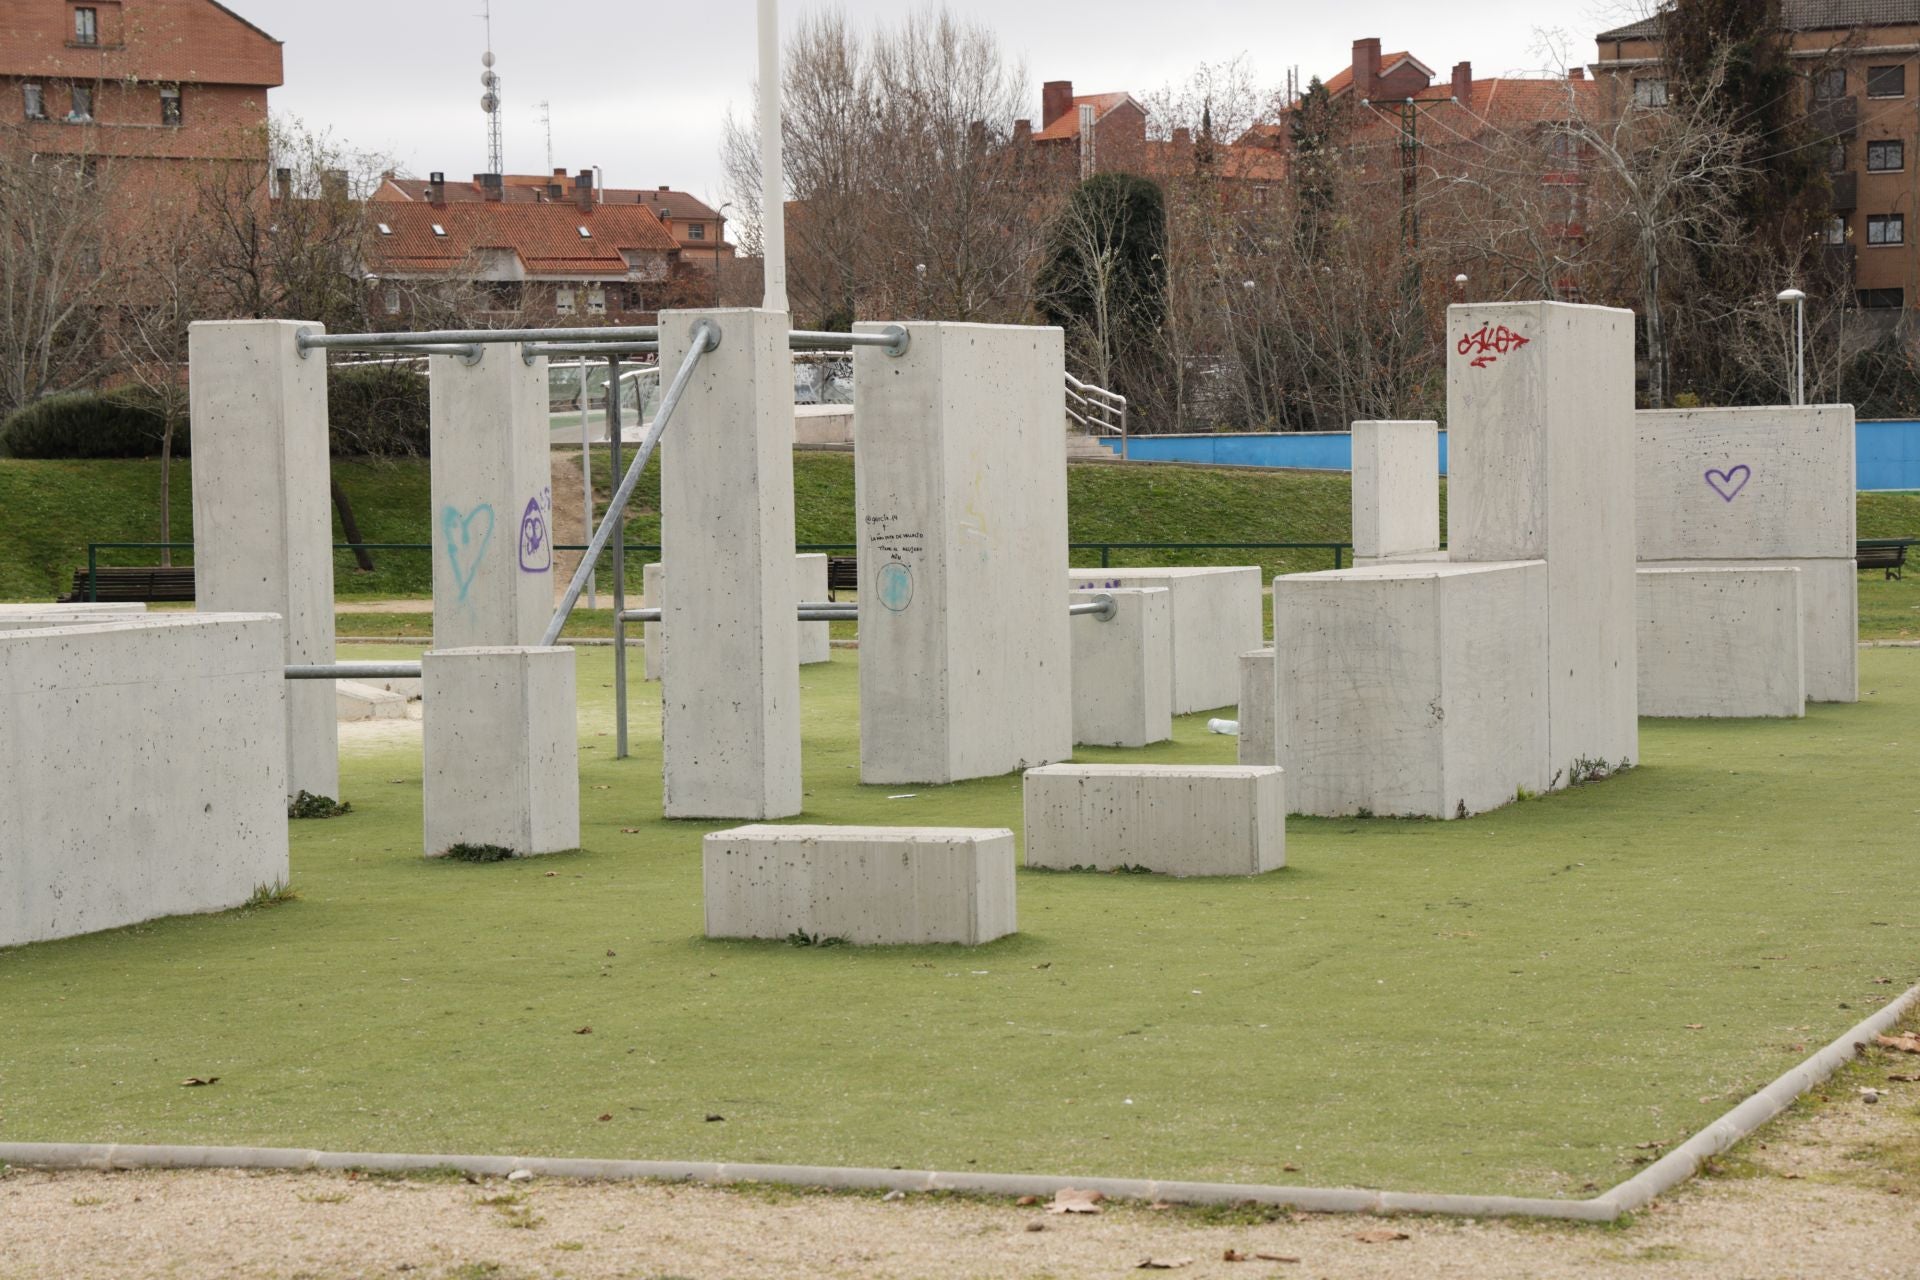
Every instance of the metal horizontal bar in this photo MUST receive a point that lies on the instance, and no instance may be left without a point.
(313, 340)
(893, 340)
(638, 345)
(354, 671)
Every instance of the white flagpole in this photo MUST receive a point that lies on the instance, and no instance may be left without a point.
(773, 228)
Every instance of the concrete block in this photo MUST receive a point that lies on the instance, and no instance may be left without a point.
(1721, 642)
(960, 494)
(38, 617)
(263, 513)
(1396, 488)
(810, 587)
(500, 749)
(1829, 619)
(143, 770)
(873, 886)
(1216, 618)
(730, 697)
(1181, 820)
(1540, 467)
(356, 701)
(1769, 483)
(492, 500)
(1258, 714)
(1412, 690)
(653, 635)
(818, 424)
(1123, 669)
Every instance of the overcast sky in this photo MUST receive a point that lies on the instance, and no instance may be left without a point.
(640, 89)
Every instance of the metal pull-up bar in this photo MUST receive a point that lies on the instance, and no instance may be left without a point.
(603, 340)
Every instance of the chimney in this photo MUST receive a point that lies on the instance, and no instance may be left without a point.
(1463, 83)
(1056, 99)
(977, 136)
(283, 184)
(1578, 73)
(1366, 65)
(490, 186)
(1022, 131)
(1183, 137)
(333, 185)
(560, 173)
(436, 187)
(583, 190)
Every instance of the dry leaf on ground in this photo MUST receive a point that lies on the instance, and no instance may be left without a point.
(1905, 1042)
(1234, 1255)
(194, 1082)
(1380, 1235)
(1074, 1200)
(1161, 1264)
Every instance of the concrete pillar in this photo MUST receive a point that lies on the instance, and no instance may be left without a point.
(730, 698)
(1396, 488)
(263, 513)
(501, 749)
(1541, 467)
(1123, 669)
(960, 495)
(1259, 725)
(653, 635)
(492, 500)
(810, 586)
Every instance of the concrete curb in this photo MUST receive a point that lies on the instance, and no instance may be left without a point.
(1630, 1196)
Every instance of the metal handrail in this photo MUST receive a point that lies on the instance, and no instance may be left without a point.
(1099, 410)
(706, 336)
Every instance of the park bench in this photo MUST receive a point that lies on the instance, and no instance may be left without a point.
(122, 585)
(843, 574)
(1889, 554)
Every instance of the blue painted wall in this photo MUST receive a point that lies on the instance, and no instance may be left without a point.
(1887, 454)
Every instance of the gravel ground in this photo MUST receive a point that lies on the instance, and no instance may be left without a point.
(1829, 1192)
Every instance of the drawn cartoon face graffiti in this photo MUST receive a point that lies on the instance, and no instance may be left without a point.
(536, 542)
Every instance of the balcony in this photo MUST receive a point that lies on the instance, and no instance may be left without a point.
(1835, 117)
(1837, 264)
(1846, 192)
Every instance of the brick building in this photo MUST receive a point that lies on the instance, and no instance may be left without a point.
(1858, 57)
(700, 231)
(151, 89)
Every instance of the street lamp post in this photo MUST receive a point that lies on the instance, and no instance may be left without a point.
(1799, 300)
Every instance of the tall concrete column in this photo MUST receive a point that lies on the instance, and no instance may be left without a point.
(1540, 466)
(960, 493)
(730, 698)
(492, 500)
(1396, 489)
(263, 512)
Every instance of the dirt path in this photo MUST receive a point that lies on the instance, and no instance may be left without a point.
(1830, 1192)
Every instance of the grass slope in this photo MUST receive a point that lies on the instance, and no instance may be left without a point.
(1506, 1004)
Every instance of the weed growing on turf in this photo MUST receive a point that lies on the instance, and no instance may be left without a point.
(1123, 869)
(513, 1209)
(801, 938)
(1585, 769)
(308, 805)
(270, 895)
(479, 853)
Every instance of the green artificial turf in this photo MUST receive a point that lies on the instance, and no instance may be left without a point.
(1512, 1003)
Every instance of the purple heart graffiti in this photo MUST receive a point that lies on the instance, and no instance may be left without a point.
(1730, 482)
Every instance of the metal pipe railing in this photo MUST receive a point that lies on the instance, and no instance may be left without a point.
(894, 339)
(532, 350)
(313, 340)
(354, 671)
(706, 336)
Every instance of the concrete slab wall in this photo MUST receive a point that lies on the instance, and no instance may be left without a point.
(1216, 618)
(501, 749)
(492, 500)
(823, 424)
(1123, 669)
(730, 696)
(867, 885)
(1183, 820)
(815, 642)
(1412, 690)
(1721, 642)
(142, 770)
(1767, 483)
(263, 512)
(1829, 619)
(1259, 726)
(1396, 488)
(1540, 416)
(961, 498)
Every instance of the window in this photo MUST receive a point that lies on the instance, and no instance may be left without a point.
(597, 300)
(439, 230)
(170, 106)
(1877, 299)
(585, 234)
(86, 25)
(1886, 228)
(385, 230)
(1259, 195)
(696, 231)
(393, 299)
(563, 302)
(1830, 84)
(35, 101)
(1886, 157)
(1650, 93)
(1887, 82)
(82, 105)
(1835, 232)
(632, 298)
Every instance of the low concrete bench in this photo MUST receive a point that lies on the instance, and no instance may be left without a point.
(1183, 820)
(865, 885)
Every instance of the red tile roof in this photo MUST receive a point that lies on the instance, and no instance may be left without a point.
(1343, 79)
(525, 188)
(546, 237)
(1068, 125)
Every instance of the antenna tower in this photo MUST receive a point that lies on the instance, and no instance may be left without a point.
(546, 122)
(490, 100)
